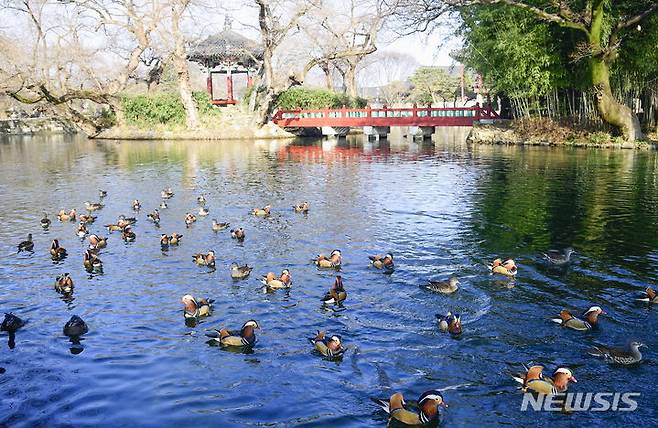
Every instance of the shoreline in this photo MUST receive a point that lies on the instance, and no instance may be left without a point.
(506, 134)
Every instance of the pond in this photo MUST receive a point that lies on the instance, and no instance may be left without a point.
(441, 208)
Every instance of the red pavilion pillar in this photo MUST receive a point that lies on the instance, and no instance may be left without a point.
(229, 87)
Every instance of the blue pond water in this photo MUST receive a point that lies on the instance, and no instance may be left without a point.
(441, 208)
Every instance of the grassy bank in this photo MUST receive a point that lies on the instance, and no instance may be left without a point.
(546, 132)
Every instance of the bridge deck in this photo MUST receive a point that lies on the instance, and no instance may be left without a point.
(413, 116)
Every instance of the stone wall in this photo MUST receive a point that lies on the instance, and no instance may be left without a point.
(33, 126)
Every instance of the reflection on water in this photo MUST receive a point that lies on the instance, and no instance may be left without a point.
(441, 208)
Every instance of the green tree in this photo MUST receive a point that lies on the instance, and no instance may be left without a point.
(432, 84)
(596, 31)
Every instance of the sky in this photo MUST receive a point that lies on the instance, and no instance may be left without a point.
(432, 49)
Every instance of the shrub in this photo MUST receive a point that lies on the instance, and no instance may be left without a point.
(154, 109)
(299, 97)
(203, 104)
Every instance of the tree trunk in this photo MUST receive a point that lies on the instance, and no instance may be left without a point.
(350, 81)
(117, 108)
(328, 80)
(182, 69)
(611, 110)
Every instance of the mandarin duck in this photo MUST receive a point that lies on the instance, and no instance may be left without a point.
(175, 238)
(569, 321)
(216, 227)
(196, 308)
(238, 234)
(451, 323)
(93, 206)
(136, 205)
(167, 193)
(262, 212)
(189, 219)
(650, 296)
(301, 208)
(507, 267)
(331, 347)
(82, 231)
(91, 262)
(87, 218)
(534, 380)
(426, 411)
(64, 284)
(336, 294)
(271, 281)
(127, 234)
(382, 262)
(333, 261)
(207, 259)
(57, 252)
(96, 242)
(244, 338)
(154, 217)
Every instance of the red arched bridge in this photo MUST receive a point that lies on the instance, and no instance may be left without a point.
(383, 117)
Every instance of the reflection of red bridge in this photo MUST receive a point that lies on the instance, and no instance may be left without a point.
(383, 117)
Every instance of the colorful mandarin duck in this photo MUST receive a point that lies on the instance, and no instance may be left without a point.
(301, 208)
(196, 308)
(154, 216)
(382, 262)
(331, 347)
(650, 296)
(91, 262)
(127, 234)
(337, 294)
(262, 212)
(189, 219)
(96, 242)
(244, 338)
(451, 323)
(174, 238)
(64, 284)
(64, 216)
(426, 411)
(87, 218)
(136, 205)
(203, 211)
(93, 206)
(238, 234)
(334, 260)
(57, 252)
(82, 231)
(569, 321)
(167, 193)
(207, 259)
(507, 267)
(534, 380)
(271, 281)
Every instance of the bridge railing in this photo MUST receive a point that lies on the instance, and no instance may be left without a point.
(473, 113)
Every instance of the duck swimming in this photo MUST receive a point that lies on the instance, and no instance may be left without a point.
(271, 281)
(189, 219)
(533, 380)
(240, 272)
(45, 221)
(75, 327)
(451, 323)
(262, 212)
(196, 308)
(82, 231)
(154, 216)
(444, 287)
(331, 347)
(625, 356)
(201, 200)
(650, 296)
(238, 234)
(101, 193)
(382, 262)
(569, 321)
(559, 258)
(167, 193)
(96, 242)
(163, 205)
(203, 211)
(64, 216)
(507, 268)
(336, 294)
(164, 241)
(207, 259)
(127, 234)
(334, 260)
(427, 411)
(244, 338)
(217, 227)
(301, 208)
(87, 218)
(57, 252)
(26, 245)
(64, 284)
(93, 206)
(136, 205)
(91, 262)
(11, 323)
(175, 238)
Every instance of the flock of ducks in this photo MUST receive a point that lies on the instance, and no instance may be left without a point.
(424, 410)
